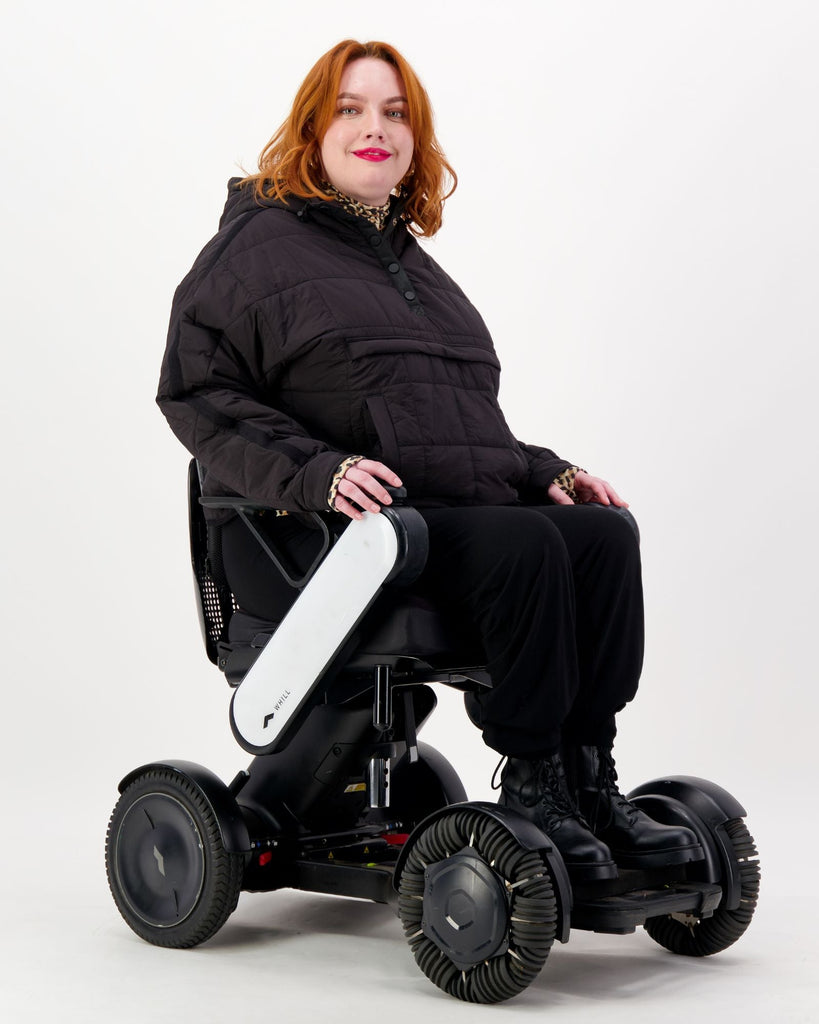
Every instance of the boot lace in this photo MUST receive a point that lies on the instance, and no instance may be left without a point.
(496, 780)
(609, 798)
(549, 788)
(559, 803)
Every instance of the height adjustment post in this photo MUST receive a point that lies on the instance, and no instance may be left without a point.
(382, 699)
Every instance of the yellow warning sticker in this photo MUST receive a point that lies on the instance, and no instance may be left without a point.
(356, 787)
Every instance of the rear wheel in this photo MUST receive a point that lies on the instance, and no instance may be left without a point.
(692, 936)
(170, 875)
(478, 909)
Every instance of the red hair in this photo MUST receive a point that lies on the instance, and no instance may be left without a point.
(290, 164)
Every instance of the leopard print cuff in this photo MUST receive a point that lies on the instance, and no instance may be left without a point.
(565, 481)
(337, 477)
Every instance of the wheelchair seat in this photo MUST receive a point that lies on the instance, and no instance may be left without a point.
(404, 625)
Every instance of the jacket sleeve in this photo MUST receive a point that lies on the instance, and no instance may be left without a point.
(544, 465)
(219, 353)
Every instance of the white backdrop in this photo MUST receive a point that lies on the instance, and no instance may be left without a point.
(637, 219)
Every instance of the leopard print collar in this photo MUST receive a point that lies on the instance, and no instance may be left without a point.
(376, 215)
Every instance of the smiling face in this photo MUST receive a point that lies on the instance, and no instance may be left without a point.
(368, 147)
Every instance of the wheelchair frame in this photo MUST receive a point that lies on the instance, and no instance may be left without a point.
(342, 798)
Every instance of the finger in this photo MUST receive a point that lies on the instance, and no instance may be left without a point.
(591, 491)
(344, 506)
(348, 489)
(559, 496)
(367, 481)
(368, 486)
(614, 497)
(378, 471)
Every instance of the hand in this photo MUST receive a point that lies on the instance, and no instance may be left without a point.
(361, 484)
(588, 489)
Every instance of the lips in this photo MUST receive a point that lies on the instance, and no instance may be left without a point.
(375, 155)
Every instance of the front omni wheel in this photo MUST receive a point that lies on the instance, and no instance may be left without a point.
(692, 936)
(478, 909)
(170, 875)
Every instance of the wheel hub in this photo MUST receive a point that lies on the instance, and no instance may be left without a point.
(466, 910)
(159, 862)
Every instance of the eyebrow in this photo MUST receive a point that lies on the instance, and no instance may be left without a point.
(356, 96)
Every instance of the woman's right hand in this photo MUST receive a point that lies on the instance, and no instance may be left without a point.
(362, 485)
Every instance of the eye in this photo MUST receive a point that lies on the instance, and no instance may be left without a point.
(347, 111)
(397, 115)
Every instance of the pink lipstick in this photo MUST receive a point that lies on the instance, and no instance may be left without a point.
(376, 155)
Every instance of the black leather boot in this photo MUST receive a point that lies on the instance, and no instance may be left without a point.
(635, 839)
(537, 790)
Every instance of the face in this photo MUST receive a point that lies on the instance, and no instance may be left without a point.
(368, 147)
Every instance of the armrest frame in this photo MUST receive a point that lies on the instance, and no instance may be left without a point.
(245, 509)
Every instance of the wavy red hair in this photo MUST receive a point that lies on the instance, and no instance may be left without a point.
(290, 164)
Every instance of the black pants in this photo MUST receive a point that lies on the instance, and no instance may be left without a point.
(555, 593)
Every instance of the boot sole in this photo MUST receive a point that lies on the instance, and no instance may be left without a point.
(658, 858)
(584, 872)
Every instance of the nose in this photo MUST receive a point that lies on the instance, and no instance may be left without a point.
(374, 126)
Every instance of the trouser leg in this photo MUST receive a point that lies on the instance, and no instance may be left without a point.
(605, 556)
(507, 570)
(556, 596)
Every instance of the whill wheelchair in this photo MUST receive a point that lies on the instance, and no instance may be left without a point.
(342, 798)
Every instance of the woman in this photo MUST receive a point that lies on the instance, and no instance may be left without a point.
(317, 353)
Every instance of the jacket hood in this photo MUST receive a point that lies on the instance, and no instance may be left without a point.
(243, 200)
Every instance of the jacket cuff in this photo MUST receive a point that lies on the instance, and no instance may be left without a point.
(311, 487)
(565, 481)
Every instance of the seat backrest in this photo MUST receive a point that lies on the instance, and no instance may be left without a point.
(214, 600)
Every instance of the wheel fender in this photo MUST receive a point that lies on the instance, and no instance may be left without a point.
(232, 826)
(451, 785)
(704, 807)
(524, 832)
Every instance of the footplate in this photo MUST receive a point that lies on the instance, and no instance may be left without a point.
(621, 914)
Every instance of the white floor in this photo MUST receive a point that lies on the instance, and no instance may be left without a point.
(68, 956)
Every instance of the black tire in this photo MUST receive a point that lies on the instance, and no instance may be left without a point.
(170, 875)
(703, 937)
(523, 882)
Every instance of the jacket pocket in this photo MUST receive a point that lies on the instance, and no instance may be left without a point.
(385, 428)
(362, 348)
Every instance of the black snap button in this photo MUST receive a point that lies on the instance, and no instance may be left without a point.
(375, 241)
(409, 296)
(394, 268)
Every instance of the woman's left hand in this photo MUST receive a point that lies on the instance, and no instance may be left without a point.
(588, 488)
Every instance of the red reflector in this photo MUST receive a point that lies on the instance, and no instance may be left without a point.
(396, 838)
(265, 858)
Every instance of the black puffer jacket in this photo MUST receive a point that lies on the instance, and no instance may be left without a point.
(301, 336)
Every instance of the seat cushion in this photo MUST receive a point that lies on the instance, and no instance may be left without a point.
(400, 625)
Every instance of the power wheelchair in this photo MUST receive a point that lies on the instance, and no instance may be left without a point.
(342, 798)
